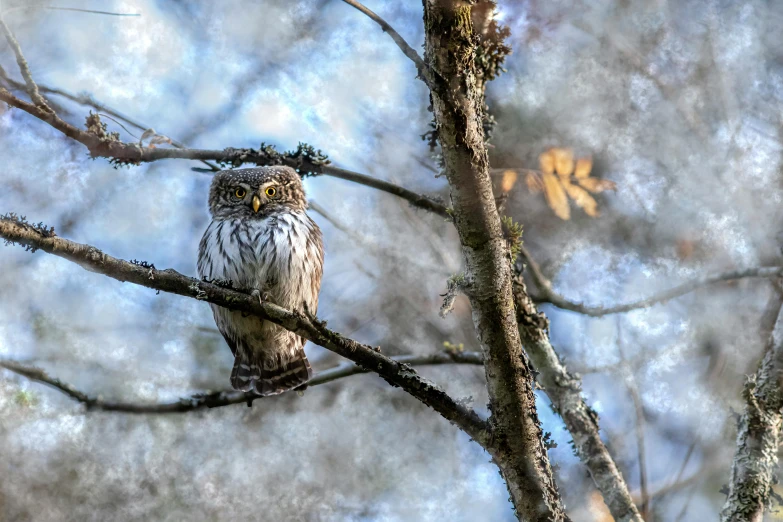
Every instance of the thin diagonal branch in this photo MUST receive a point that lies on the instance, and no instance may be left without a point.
(89, 11)
(14, 230)
(88, 101)
(564, 389)
(225, 398)
(547, 295)
(633, 390)
(407, 50)
(370, 244)
(24, 68)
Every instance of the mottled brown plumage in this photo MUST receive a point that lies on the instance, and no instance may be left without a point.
(262, 240)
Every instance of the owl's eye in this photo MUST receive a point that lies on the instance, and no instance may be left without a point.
(240, 193)
(270, 191)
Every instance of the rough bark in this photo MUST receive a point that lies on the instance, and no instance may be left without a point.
(758, 436)
(457, 101)
(565, 391)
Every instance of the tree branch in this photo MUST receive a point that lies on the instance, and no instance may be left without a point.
(564, 389)
(35, 237)
(106, 146)
(74, 9)
(633, 389)
(225, 398)
(399, 40)
(24, 68)
(755, 463)
(547, 295)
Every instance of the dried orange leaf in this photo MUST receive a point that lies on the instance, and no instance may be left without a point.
(546, 162)
(582, 199)
(583, 167)
(533, 181)
(158, 139)
(556, 196)
(564, 161)
(147, 133)
(596, 185)
(509, 179)
(685, 248)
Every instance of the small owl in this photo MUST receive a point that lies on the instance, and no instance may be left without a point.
(263, 241)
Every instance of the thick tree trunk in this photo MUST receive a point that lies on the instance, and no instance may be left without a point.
(517, 444)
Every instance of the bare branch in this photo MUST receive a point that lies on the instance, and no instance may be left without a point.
(90, 11)
(403, 375)
(564, 390)
(369, 243)
(547, 295)
(633, 389)
(24, 68)
(216, 399)
(755, 463)
(56, 8)
(399, 40)
(89, 101)
(132, 153)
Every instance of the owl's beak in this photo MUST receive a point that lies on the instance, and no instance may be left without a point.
(256, 202)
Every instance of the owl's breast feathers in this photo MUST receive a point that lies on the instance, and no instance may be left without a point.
(282, 256)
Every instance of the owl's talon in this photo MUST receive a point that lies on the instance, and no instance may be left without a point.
(261, 296)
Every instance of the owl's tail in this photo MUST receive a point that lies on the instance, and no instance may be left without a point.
(252, 376)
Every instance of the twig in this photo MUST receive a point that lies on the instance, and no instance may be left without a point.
(89, 101)
(547, 295)
(564, 390)
(14, 230)
(55, 8)
(216, 399)
(415, 199)
(633, 390)
(24, 68)
(407, 50)
(368, 243)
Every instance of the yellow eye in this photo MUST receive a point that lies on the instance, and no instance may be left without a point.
(270, 191)
(240, 193)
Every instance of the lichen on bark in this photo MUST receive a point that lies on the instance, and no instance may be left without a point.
(517, 442)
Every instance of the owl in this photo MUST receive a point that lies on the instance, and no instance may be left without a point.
(262, 240)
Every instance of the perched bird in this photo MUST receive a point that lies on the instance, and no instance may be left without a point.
(262, 240)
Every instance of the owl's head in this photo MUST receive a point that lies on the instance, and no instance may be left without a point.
(256, 193)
